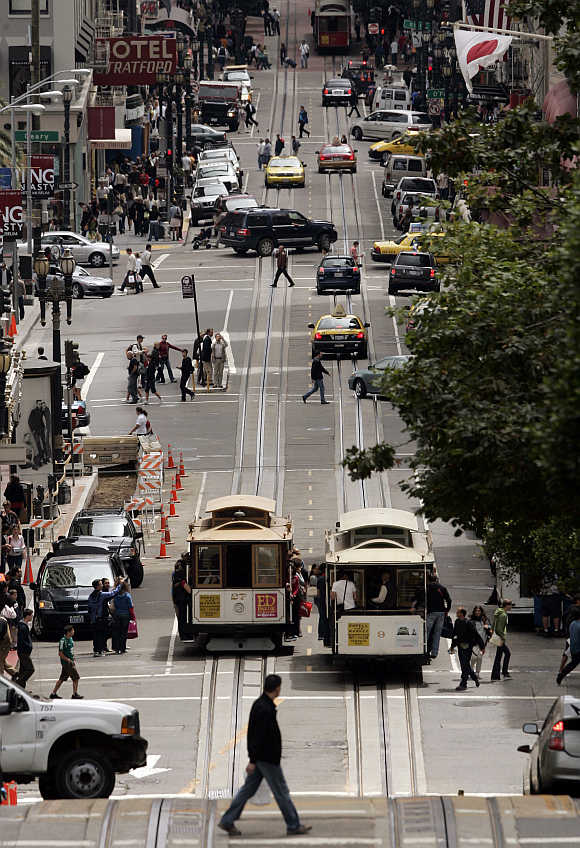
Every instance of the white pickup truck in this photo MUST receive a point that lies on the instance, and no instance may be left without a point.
(75, 748)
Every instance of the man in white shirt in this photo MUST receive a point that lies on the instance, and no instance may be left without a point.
(304, 54)
(140, 428)
(146, 269)
(131, 267)
(186, 165)
(343, 592)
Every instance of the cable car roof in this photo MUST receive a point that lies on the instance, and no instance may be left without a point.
(384, 556)
(378, 517)
(240, 531)
(241, 501)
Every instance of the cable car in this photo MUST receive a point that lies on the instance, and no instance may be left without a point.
(388, 557)
(332, 25)
(238, 575)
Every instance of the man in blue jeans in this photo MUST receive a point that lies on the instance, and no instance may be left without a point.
(437, 604)
(317, 370)
(264, 752)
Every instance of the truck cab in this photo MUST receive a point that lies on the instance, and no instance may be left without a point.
(75, 748)
(218, 103)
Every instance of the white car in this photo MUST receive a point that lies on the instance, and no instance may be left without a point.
(84, 251)
(222, 154)
(389, 124)
(220, 170)
(203, 198)
(239, 74)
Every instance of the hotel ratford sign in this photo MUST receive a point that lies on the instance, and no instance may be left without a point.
(136, 60)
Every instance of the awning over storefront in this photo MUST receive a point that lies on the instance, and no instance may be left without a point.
(122, 141)
(84, 41)
(559, 101)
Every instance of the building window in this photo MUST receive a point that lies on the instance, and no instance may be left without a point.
(22, 7)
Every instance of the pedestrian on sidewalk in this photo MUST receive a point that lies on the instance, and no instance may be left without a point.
(500, 622)
(264, 754)
(130, 268)
(465, 638)
(317, 370)
(218, 358)
(205, 356)
(164, 348)
(302, 122)
(123, 613)
(436, 603)
(574, 651)
(153, 223)
(394, 50)
(146, 269)
(15, 549)
(282, 267)
(353, 100)
(68, 668)
(24, 649)
(5, 647)
(186, 368)
(175, 222)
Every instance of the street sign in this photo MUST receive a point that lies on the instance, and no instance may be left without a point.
(187, 285)
(408, 24)
(5, 177)
(69, 186)
(373, 29)
(47, 136)
(434, 107)
(435, 93)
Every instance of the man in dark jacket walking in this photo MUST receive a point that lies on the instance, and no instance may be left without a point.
(317, 370)
(465, 636)
(24, 650)
(99, 616)
(353, 100)
(282, 267)
(437, 604)
(264, 753)
(186, 372)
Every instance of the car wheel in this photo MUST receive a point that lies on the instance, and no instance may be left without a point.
(195, 244)
(363, 353)
(393, 290)
(266, 183)
(437, 287)
(109, 294)
(77, 291)
(320, 170)
(265, 247)
(96, 260)
(360, 389)
(353, 170)
(38, 628)
(383, 191)
(357, 133)
(396, 135)
(84, 773)
(324, 242)
(136, 574)
(241, 251)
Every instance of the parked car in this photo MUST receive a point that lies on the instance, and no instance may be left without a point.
(360, 73)
(415, 200)
(388, 124)
(81, 417)
(119, 530)
(415, 185)
(83, 283)
(336, 157)
(398, 166)
(218, 171)
(221, 154)
(284, 171)
(63, 586)
(262, 229)
(340, 333)
(231, 202)
(413, 270)
(338, 274)
(336, 92)
(203, 198)
(368, 381)
(554, 762)
(84, 251)
(203, 136)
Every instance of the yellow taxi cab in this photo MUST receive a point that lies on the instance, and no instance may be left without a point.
(340, 333)
(385, 251)
(403, 144)
(284, 171)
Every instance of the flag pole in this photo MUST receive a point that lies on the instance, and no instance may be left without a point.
(532, 36)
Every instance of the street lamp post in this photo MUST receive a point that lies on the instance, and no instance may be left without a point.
(5, 362)
(67, 96)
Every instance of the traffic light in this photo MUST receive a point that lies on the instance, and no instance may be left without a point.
(71, 353)
(169, 158)
(430, 63)
(5, 301)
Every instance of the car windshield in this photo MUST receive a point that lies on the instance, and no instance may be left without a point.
(418, 184)
(345, 323)
(69, 575)
(392, 362)
(290, 162)
(210, 191)
(338, 83)
(218, 167)
(97, 526)
(242, 203)
(338, 262)
(415, 260)
(337, 149)
(220, 153)
(243, 76)
(421, 118)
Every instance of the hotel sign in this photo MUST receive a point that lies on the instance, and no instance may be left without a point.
(136, 60)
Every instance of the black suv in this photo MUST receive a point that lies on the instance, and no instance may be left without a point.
(118, 529)
(263, 229)
(413, 270)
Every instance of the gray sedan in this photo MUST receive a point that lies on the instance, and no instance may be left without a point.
(368, 381)
(84, 283)
(555, 756)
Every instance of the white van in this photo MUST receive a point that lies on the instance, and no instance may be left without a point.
(392, 97)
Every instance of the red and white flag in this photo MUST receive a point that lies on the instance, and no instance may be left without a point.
(477, 50)
(487, 13)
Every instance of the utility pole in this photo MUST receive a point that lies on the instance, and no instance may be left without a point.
(35, 79)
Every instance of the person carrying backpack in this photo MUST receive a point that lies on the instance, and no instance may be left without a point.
(302, 121)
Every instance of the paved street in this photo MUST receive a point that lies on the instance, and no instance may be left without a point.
(258, 438)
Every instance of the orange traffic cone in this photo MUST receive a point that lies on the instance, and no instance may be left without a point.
(163, 521)
(12, 329)
(178, 485)
(181, 465)
(172, 512)
(162, 551)
(170, 460)
(28, 575)
(168, 537)
(174, 497)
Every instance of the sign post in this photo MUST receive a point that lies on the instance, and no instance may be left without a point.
(188, 290)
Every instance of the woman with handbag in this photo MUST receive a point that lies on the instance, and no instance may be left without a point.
(123, 612)
(479, 620)
(499, 640)
(343, 593)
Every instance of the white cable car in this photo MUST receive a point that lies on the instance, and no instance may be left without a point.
(238, 575)
(379, 548)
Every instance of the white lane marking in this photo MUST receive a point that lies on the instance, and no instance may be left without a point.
(159, 260)
(200, 496)
(171, 649)
(150, 769)
(378, 206)
(91, 375)
(228, 310)
(226, 335)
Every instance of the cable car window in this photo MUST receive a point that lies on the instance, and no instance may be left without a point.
(266, 566)
(208, 561)
(409, 580)
(238, 566)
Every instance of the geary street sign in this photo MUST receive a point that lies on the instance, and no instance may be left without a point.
(47, 136)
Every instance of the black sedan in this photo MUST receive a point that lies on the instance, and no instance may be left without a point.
(413, 270)
(336, 92)
(81, 417)
(368, 381)
(338, 274)
(123, 537)
(201, 135)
